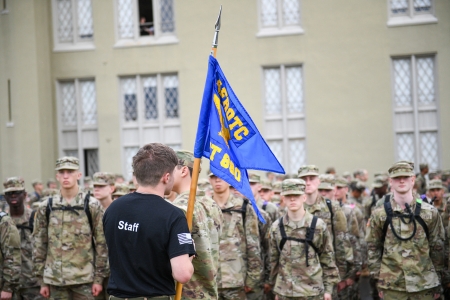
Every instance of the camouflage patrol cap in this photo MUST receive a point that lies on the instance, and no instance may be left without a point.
(67, 163)
(340, 181)
(379, 181)
(131, 185)
(435, 184)
(87, 179)
(254, 178)
(293, 187)
(36, 181)
(185, 158)
(308, 170)
(327, 182)
(121, 189)
(49, 192)
(266, 185)
(13, 184)
(401, 168)
(276, 186)
(103, 178)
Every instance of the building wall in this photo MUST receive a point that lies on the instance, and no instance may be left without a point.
(345, 52)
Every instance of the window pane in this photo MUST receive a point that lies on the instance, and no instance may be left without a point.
(125, 16)
(146, 18)
(297, 155)
(69, 104)
(429, 149)
(89, 103)
(65, 23)
(399, 7)
(129, 99)
(269, 13)
(167, 19)
(85, 23)
(73, 153)
(291, 12)
(422, 6)
(272, 84)
(294, 91)
(171, 96)
(277, 149)
(425, 80)
(129, 152)
(151, 101)
(402, 82)
(91, 157)
(405, 146)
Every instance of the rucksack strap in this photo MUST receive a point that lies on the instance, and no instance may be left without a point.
(264, 206)
(330, 208)
(243, 210)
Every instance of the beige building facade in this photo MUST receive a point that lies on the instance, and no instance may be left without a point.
(348, 83)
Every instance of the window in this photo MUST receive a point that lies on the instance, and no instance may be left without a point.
(145, 22)
(73, 25)
(415, 110)
(279, 17)
(77, 119)
(4, 7)
(285, 115)
(150, 113)
(411, 12)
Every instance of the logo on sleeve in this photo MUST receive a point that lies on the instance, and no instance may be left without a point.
(184, 238)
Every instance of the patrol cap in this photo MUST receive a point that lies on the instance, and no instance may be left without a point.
(423, 166)
(276, 186)
(121, 189)
(341, 181)
(401, 168)
(293, 187)
(49, 192)
(36, 181)
(185, 158)
(67, 163)
(13, 184)
(87, 179)
(131, 185)
(266, 185)
(435, 184)
(254, 178)
(103, 178)
(308, 170)
(379, 181)
(357, 185)
(327, 182)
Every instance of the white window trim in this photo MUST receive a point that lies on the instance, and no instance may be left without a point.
(411, 18)
(279, 30)
(138, 41)
(68, 47)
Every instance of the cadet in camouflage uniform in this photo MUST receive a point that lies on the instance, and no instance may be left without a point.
(410, 267)
(335, 220)
(421, 181)
(203, 283)
(380, 186)
(12, 249)
(297, 270)
(36, 195)
(356, 197)
(51, 184)
(120, 189)
(327, 186)
(240, 255)
(263, 205)
(103, 186)
(65, 261)
(276, 189)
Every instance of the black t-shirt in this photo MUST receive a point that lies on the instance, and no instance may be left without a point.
(143, 232)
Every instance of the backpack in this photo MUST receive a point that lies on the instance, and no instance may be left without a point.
(330, 208)
(308, 241)
(243, 210)
(30, 226)
(412, 218)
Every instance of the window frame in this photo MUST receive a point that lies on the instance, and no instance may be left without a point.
(279, 29)
(76, 45)
(137, 41)
(285, 117)
(416, 109)
(411, 18)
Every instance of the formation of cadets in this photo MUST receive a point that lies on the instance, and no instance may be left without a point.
(322, 234)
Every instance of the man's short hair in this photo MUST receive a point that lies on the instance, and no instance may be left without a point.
(151, 162)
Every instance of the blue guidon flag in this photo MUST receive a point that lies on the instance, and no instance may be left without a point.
(227, 136)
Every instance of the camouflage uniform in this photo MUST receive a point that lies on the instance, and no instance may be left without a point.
(406, 268)
(120, 190)
(240, 254)
(421, 183)
(290, 276)
(63, 253)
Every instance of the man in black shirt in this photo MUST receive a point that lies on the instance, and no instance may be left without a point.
(148, 238)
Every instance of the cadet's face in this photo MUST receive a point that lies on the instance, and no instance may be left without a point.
(294, 202)
(341, 192)
(103, 191)
(177, 177)
(39, 187)
(218, 185)
(68, 178)
(170, 182)
(438, 193)
(402, 184)
(312, 184)
(15, 199)
(266, 194)
(53, 185)
(327, 193)
(256, 187)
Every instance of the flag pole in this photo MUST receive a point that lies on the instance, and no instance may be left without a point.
(197, 161)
